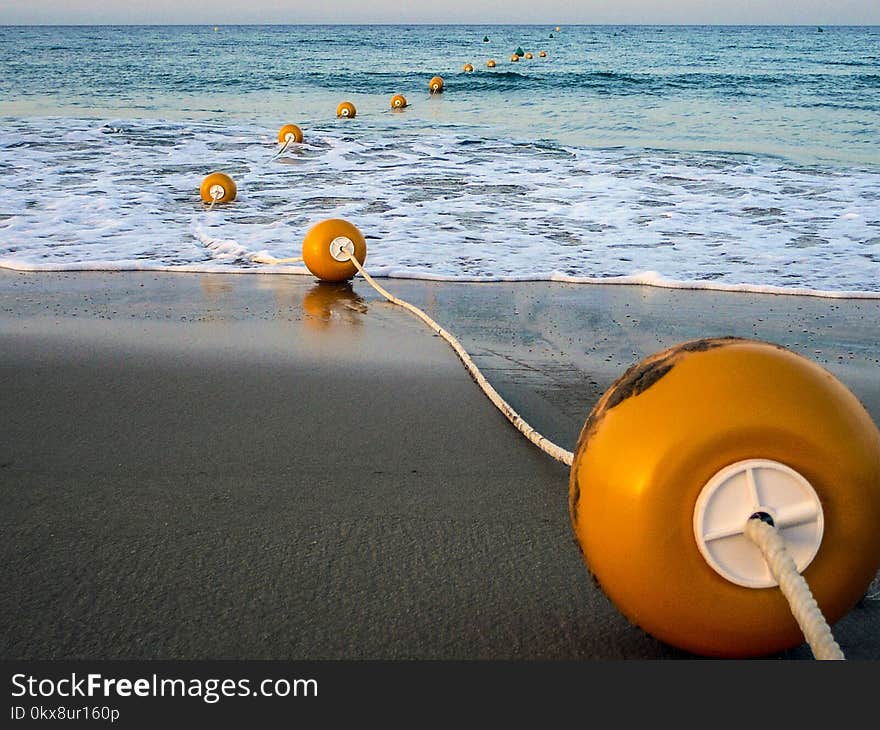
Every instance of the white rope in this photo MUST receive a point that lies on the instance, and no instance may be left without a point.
(281, 151)
(793, 586)
(547, 446)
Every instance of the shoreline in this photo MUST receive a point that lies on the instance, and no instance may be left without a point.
(648, 279)
(218, 466)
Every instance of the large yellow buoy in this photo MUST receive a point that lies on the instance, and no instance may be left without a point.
(682, 450)
(542, 54)
(490, 63)
(346, 110)
(290, 133)
(529, 55)
(468, 68)
(435, 85)
(218, 187)
(327, 247)
(398, 101)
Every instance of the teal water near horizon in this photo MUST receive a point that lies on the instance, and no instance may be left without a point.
(708, 155)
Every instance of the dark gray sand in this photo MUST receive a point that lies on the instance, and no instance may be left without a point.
(261, 467)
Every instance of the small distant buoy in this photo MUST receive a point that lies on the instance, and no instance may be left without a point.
(485, 39)
(519, 52)
(327, 247)
(514, 58)
(398, 101)
(218, 187)
(551, 35)
(490, 63)
(435, 85)
(542, 54)
(529, 55)
(290, 133)
(689, 444)
(468, 68)
(216, 29)
(558, 28)
(346, 110)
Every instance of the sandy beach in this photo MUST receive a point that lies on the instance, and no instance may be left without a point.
(262, 467)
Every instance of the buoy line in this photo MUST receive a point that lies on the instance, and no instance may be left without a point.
(542, 442)
(804, 608)
(759, 528)
(780, 481)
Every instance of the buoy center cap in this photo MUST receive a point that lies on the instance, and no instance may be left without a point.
(737, 492)
(342, 248)
(217, 191)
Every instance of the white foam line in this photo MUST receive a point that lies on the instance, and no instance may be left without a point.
(648, 278)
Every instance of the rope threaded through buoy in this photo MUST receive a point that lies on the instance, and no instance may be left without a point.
(793, 586)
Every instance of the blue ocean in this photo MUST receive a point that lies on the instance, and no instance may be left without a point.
(708, 157)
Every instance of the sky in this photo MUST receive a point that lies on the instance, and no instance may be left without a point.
(550, 12)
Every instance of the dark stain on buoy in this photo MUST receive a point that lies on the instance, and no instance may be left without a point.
(640, 377)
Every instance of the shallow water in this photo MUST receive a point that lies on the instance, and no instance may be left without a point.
(679, 156)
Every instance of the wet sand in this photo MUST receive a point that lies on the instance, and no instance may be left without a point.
(261, 467)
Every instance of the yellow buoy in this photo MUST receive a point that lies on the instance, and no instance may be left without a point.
(514, 58)
(558, 28)
(529, 55)
(290, 133)
(398, 101)
(682, 450)
(542, 54)
(468, 68)
(327, 247)
(490, 63)
(435, 85)
(346, 110)
(218, 187)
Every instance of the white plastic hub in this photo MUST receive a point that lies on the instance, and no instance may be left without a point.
(217, 191)
(342, 248)
(343, 113)
(288, 137)
(737, 492)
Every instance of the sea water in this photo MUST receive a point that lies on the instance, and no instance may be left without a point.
(717, 157)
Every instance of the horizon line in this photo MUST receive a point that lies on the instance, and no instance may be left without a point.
(474, 24)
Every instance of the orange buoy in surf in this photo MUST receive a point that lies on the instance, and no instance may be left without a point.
(328, 246)
(490, 63)
(218, 187)
(435, 85)
(542, 54)
(346, 110)
(514, 58)
(529, 55)
(689, 444)
(398, 101)
(468, 68)
(290, 133)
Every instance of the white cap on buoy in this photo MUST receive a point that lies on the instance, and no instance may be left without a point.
(737, 493)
